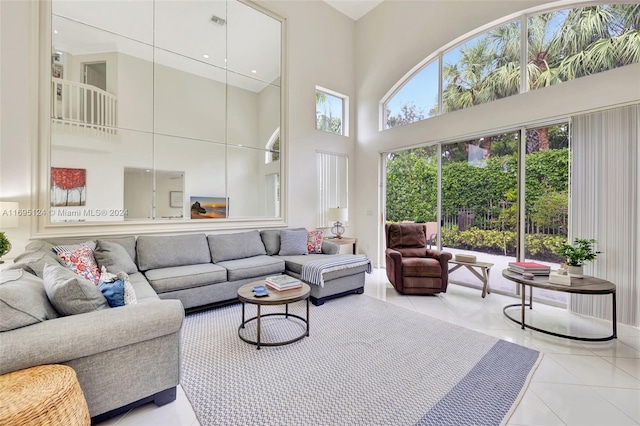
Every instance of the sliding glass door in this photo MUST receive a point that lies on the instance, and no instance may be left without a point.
(546, 205)
(479, 204)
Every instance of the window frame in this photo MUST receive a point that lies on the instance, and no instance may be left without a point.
(345, 110)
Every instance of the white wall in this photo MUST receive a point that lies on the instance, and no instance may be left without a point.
(420, 28)
(17, 70)
(321, 51)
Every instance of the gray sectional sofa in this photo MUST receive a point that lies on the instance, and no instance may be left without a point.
(169, 274)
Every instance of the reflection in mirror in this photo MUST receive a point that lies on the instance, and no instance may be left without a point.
(100, 80)
(204, 163)
(138, 193)
(138, 190)
(253, 184)
(103, 160)
(189, 99)
(172, 100)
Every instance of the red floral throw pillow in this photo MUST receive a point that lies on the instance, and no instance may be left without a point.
(314, 241)
(81, 261)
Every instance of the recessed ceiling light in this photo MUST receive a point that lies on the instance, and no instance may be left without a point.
(55, 31)
(254, 71)
(206, 56)
(225, 59)
(148, 171)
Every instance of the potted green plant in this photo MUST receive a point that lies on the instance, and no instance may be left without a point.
(582, 250)
(5, 245)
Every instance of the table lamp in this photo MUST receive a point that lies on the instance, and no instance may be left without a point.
(339, 216)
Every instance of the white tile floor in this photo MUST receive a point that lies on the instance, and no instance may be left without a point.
(577, 383)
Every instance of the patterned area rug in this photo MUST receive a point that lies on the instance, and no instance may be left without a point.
(366, 362)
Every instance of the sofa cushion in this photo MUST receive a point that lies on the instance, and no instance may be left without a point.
(294, 263)
(271, 240)
(71, 294)
(144, 291)
(114, 258)
(252, 267)
(33, 261)
(23, 300)
(235, 246)
(156, 252)
(293, 242)
(182, 277)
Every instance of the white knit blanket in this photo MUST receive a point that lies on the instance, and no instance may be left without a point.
(313, 272)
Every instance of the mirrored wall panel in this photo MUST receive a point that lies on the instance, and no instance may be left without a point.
(164, 110)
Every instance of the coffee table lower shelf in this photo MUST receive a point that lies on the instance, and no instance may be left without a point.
(587, 285)
(258, 317)
(524, 325)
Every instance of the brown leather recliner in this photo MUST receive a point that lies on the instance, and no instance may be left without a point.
(412, 268)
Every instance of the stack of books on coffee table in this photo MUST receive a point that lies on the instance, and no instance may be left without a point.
(283, 282)
(529, 267)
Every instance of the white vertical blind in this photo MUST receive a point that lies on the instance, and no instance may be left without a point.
(333, 184)
(604, 206)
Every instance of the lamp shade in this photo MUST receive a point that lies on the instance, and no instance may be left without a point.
(338, 214)
(8, 216)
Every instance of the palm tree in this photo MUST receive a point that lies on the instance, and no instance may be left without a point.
(561, 46)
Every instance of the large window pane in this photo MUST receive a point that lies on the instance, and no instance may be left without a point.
(416, 100)
(482, 69)
(546, 201)
(412, 185)
(573, 43)
(479, 204)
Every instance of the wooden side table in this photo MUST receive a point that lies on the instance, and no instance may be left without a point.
(346, 241)
(484, 267)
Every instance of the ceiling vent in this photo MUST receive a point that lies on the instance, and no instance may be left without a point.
(217, 20)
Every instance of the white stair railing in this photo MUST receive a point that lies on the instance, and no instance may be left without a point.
(83, 105)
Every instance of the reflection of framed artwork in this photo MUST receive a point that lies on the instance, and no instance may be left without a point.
(68, 186)
(58, 71)
(209, 207)
(175, 199)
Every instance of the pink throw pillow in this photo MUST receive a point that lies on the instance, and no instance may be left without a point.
(314, 241)
(81, 261)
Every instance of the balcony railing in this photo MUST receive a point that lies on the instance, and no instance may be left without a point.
(83, 106)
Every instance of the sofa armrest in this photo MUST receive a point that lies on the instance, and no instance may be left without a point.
(330, 248)
(66, 338)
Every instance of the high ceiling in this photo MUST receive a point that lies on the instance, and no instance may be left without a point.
(354, 9)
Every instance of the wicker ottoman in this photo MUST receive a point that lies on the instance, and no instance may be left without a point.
(43, 395)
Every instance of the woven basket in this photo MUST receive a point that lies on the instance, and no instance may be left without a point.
(43, 395)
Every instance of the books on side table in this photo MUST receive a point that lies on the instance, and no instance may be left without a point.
(282, 282)
(529, 267)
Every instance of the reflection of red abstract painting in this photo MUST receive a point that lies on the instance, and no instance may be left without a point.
(68, 186)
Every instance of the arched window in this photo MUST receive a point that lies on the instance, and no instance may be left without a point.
(560, 45)
(272, 148)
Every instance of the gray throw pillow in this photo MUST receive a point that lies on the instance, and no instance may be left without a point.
(71, 294)
(114, 257)
(271, 240)
(293, 242)
(23, 301)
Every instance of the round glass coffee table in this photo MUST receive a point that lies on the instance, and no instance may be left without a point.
(245, 295)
